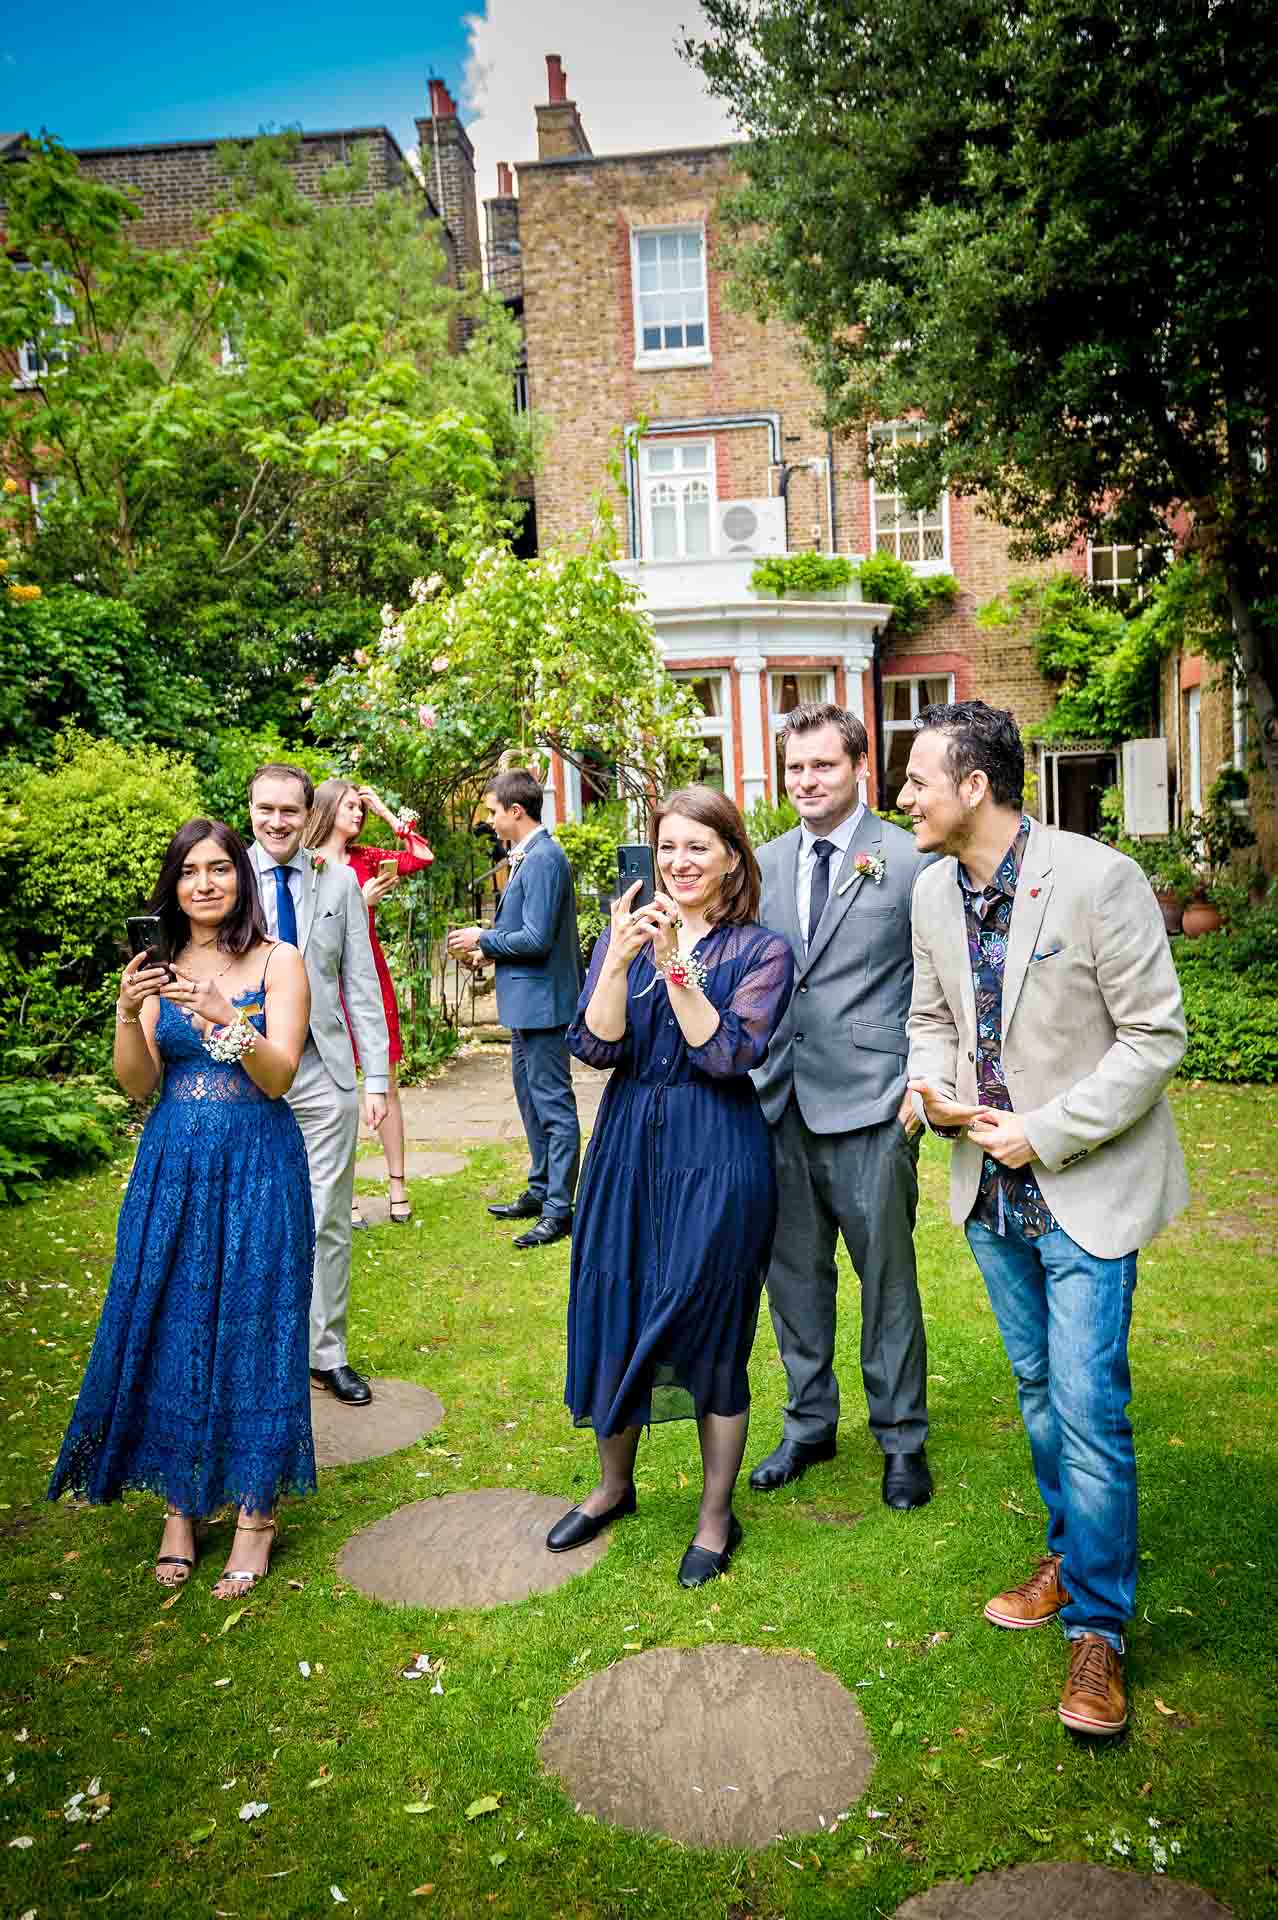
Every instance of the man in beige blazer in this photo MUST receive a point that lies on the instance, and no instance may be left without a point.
(1045, 1025)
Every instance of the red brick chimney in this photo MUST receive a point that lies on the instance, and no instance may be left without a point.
(560, 133)
(448, 168)
(505, 180)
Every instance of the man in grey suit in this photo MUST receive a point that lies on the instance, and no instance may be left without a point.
(318, 908)
(843, 1128)
(538, 963)
(1045, 1026)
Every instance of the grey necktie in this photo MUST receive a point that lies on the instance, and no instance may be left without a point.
(821, 851)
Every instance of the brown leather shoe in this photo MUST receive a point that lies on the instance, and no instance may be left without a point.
(1035, 1602)
(1095, 1697)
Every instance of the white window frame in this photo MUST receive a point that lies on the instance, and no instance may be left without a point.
(1116, 588)
(33, 367)
(780, 670)
(1194, 733)
(669, 356)
(40, 493)
(914, 681)
(709, 726)
(893, 431)
(1049, 786)
(1239, 717)
(648, 481)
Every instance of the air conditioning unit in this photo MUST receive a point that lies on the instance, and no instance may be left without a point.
(748, 527)
(1145, 808)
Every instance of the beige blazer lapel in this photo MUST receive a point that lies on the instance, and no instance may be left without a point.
(868, 838)
(1033, 892)
(951, 940)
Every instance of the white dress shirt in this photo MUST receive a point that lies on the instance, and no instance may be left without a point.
(517, 853)
(841, 836)
(295, 869)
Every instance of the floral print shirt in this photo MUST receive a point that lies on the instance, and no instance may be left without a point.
(1005, 1192)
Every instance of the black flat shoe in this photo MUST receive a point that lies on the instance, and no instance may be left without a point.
(525, 1208)
(699, 1564)
(786, 1462)
(344, 1383)
(546, 1232)
(907, 1482)
(576, 1527)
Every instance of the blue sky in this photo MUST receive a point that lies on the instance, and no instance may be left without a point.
(125, 74)
(105, 75)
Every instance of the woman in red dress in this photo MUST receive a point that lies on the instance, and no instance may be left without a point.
(336, 821)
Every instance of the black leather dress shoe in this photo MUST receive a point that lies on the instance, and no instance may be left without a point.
(906, 1480)
(786, 1462)
(576, 1527)
(525, 1208)
(699, 1564)
(344, 1383)
(547, 1230)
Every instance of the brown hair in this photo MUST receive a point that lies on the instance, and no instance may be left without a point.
(329, 795)
(738, 901)
(816, 714)
(517, 787)
(283, 772)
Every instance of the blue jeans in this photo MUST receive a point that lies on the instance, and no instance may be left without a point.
(1064, 1314)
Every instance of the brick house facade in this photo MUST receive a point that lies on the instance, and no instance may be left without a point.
(612, 259)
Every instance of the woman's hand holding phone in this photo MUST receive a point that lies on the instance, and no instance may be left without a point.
(377, 886)
(140, 982)
(651, 925)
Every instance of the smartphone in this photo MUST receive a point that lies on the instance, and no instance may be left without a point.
(637, 863)
(147, 935)
(388, 869)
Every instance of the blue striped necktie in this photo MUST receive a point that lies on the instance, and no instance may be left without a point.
(285, 913)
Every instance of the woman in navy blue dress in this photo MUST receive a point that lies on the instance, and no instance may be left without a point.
(197, 1385)
(678, 1197)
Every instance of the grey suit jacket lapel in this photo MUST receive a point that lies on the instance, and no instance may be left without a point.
(868, 838)
(1033, 891)
(311, 882)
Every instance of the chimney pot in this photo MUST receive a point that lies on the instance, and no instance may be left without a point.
(505, 183)
(442, 104)
(556, 79)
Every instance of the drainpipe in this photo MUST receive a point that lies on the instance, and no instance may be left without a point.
(829, 490)
(876, 700)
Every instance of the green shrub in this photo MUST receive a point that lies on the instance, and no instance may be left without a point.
(591, 846)
(51, 1127)
(800, 573)
(1230, 985)
(765, 822)
(81, 660)
(81, 851)
(912, 595)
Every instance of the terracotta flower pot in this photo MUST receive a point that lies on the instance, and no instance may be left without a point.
(1200, 917)
(1172, 910)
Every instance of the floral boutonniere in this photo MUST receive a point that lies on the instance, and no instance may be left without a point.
(870, 866)
(318, 863)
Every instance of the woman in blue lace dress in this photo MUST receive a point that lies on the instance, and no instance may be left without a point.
(197, 1385)
(678, 1198)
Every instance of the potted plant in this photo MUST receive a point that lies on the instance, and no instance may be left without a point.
(1219, 832)
(805, 576)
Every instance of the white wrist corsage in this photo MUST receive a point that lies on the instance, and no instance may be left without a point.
(230, 1042)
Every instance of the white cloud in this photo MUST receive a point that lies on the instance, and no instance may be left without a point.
(632, 89)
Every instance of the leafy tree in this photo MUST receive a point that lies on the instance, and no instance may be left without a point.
(1050, 226)
(257, 439)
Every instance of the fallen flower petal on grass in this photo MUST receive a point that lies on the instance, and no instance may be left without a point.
(254, 1809)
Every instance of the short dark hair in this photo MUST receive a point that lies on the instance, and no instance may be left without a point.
(984, 739)
(738, 901)
(283, 771)
(519, 788)
(244, 925)
(823, 713)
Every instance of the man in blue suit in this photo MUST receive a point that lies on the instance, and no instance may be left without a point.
(534, 947)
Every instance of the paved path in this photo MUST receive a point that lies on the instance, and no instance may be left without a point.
(473, 1101)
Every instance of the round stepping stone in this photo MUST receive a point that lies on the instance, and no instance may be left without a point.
(400, 1413)
(482, 1549)
(715, 1746)
(1063, 1890)
(420, 1163)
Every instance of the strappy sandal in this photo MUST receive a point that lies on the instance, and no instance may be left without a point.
(174, 1559)
(243, 1580)
(400, 1210)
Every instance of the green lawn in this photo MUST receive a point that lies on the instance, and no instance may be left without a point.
(100, 1679)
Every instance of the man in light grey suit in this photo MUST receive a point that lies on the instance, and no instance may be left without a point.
(534, 945)
(838, 886)
(319, 909)
(1046, 1024)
